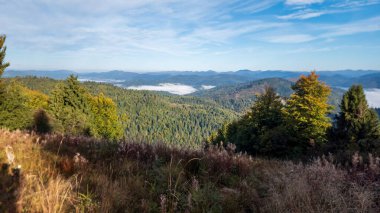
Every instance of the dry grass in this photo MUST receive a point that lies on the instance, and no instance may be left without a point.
(318, 187)
(138, 177)
(41, 187)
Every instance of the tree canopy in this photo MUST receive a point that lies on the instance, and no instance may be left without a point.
(306, 111)
(77, 112)
(256, 131)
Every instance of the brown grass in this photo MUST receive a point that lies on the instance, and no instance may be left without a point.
(138, 177)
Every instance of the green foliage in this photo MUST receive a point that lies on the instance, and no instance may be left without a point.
(255, 130)
(14, 112)
(3, 49)
(79, 113)
(271, 128)
(172, 119)
(154, 117)
(358, 127)
(306, 111)
(18, 105)
(68, 104)
(3, 65)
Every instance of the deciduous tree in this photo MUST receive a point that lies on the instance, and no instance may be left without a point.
(105, 119)
(306, 112)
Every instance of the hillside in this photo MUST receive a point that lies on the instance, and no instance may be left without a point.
(371, 80)
(155, 117)
(241, 96)
(78, 174)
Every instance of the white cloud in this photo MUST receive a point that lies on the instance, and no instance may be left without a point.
(362, 26)
(302, 2)
(117, 26)
(303, 14)
(178, 89)
(327, 32)
(207, 86)
(355, 3)
(373, 97)
(291, 38)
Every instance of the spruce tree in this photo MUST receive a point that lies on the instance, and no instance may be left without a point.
(69, 105)
(357, 126)
(267, 119)
(266, 111)
(3, 49)
(3, 66)
(306, 112)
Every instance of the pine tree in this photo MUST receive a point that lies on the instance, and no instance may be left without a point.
(306, 112)
(3, 49)
(3, 66)
(357, 126)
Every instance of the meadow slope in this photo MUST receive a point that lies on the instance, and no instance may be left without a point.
(87, 175)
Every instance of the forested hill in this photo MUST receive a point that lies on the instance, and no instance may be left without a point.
(152, 116)
(239, 97)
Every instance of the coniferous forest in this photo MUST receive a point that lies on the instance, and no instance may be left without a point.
(283, 146)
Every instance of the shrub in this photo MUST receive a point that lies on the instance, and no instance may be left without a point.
(41, 122)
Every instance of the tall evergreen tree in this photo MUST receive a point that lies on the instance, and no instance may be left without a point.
(267, 119)
(69, 106)
(357, 126)
(3, 49)
(306, 112)
(3, 66)
(266, 111)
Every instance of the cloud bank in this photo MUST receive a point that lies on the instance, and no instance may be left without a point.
(373, 97)
(178, 89)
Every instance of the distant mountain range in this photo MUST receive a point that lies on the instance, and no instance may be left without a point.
(198, 80)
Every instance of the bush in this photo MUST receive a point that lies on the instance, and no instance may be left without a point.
(41, 122)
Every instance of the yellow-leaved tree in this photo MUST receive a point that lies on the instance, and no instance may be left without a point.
(105, 118)
(306, 112)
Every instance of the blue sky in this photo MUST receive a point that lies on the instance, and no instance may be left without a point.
(221, 35)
